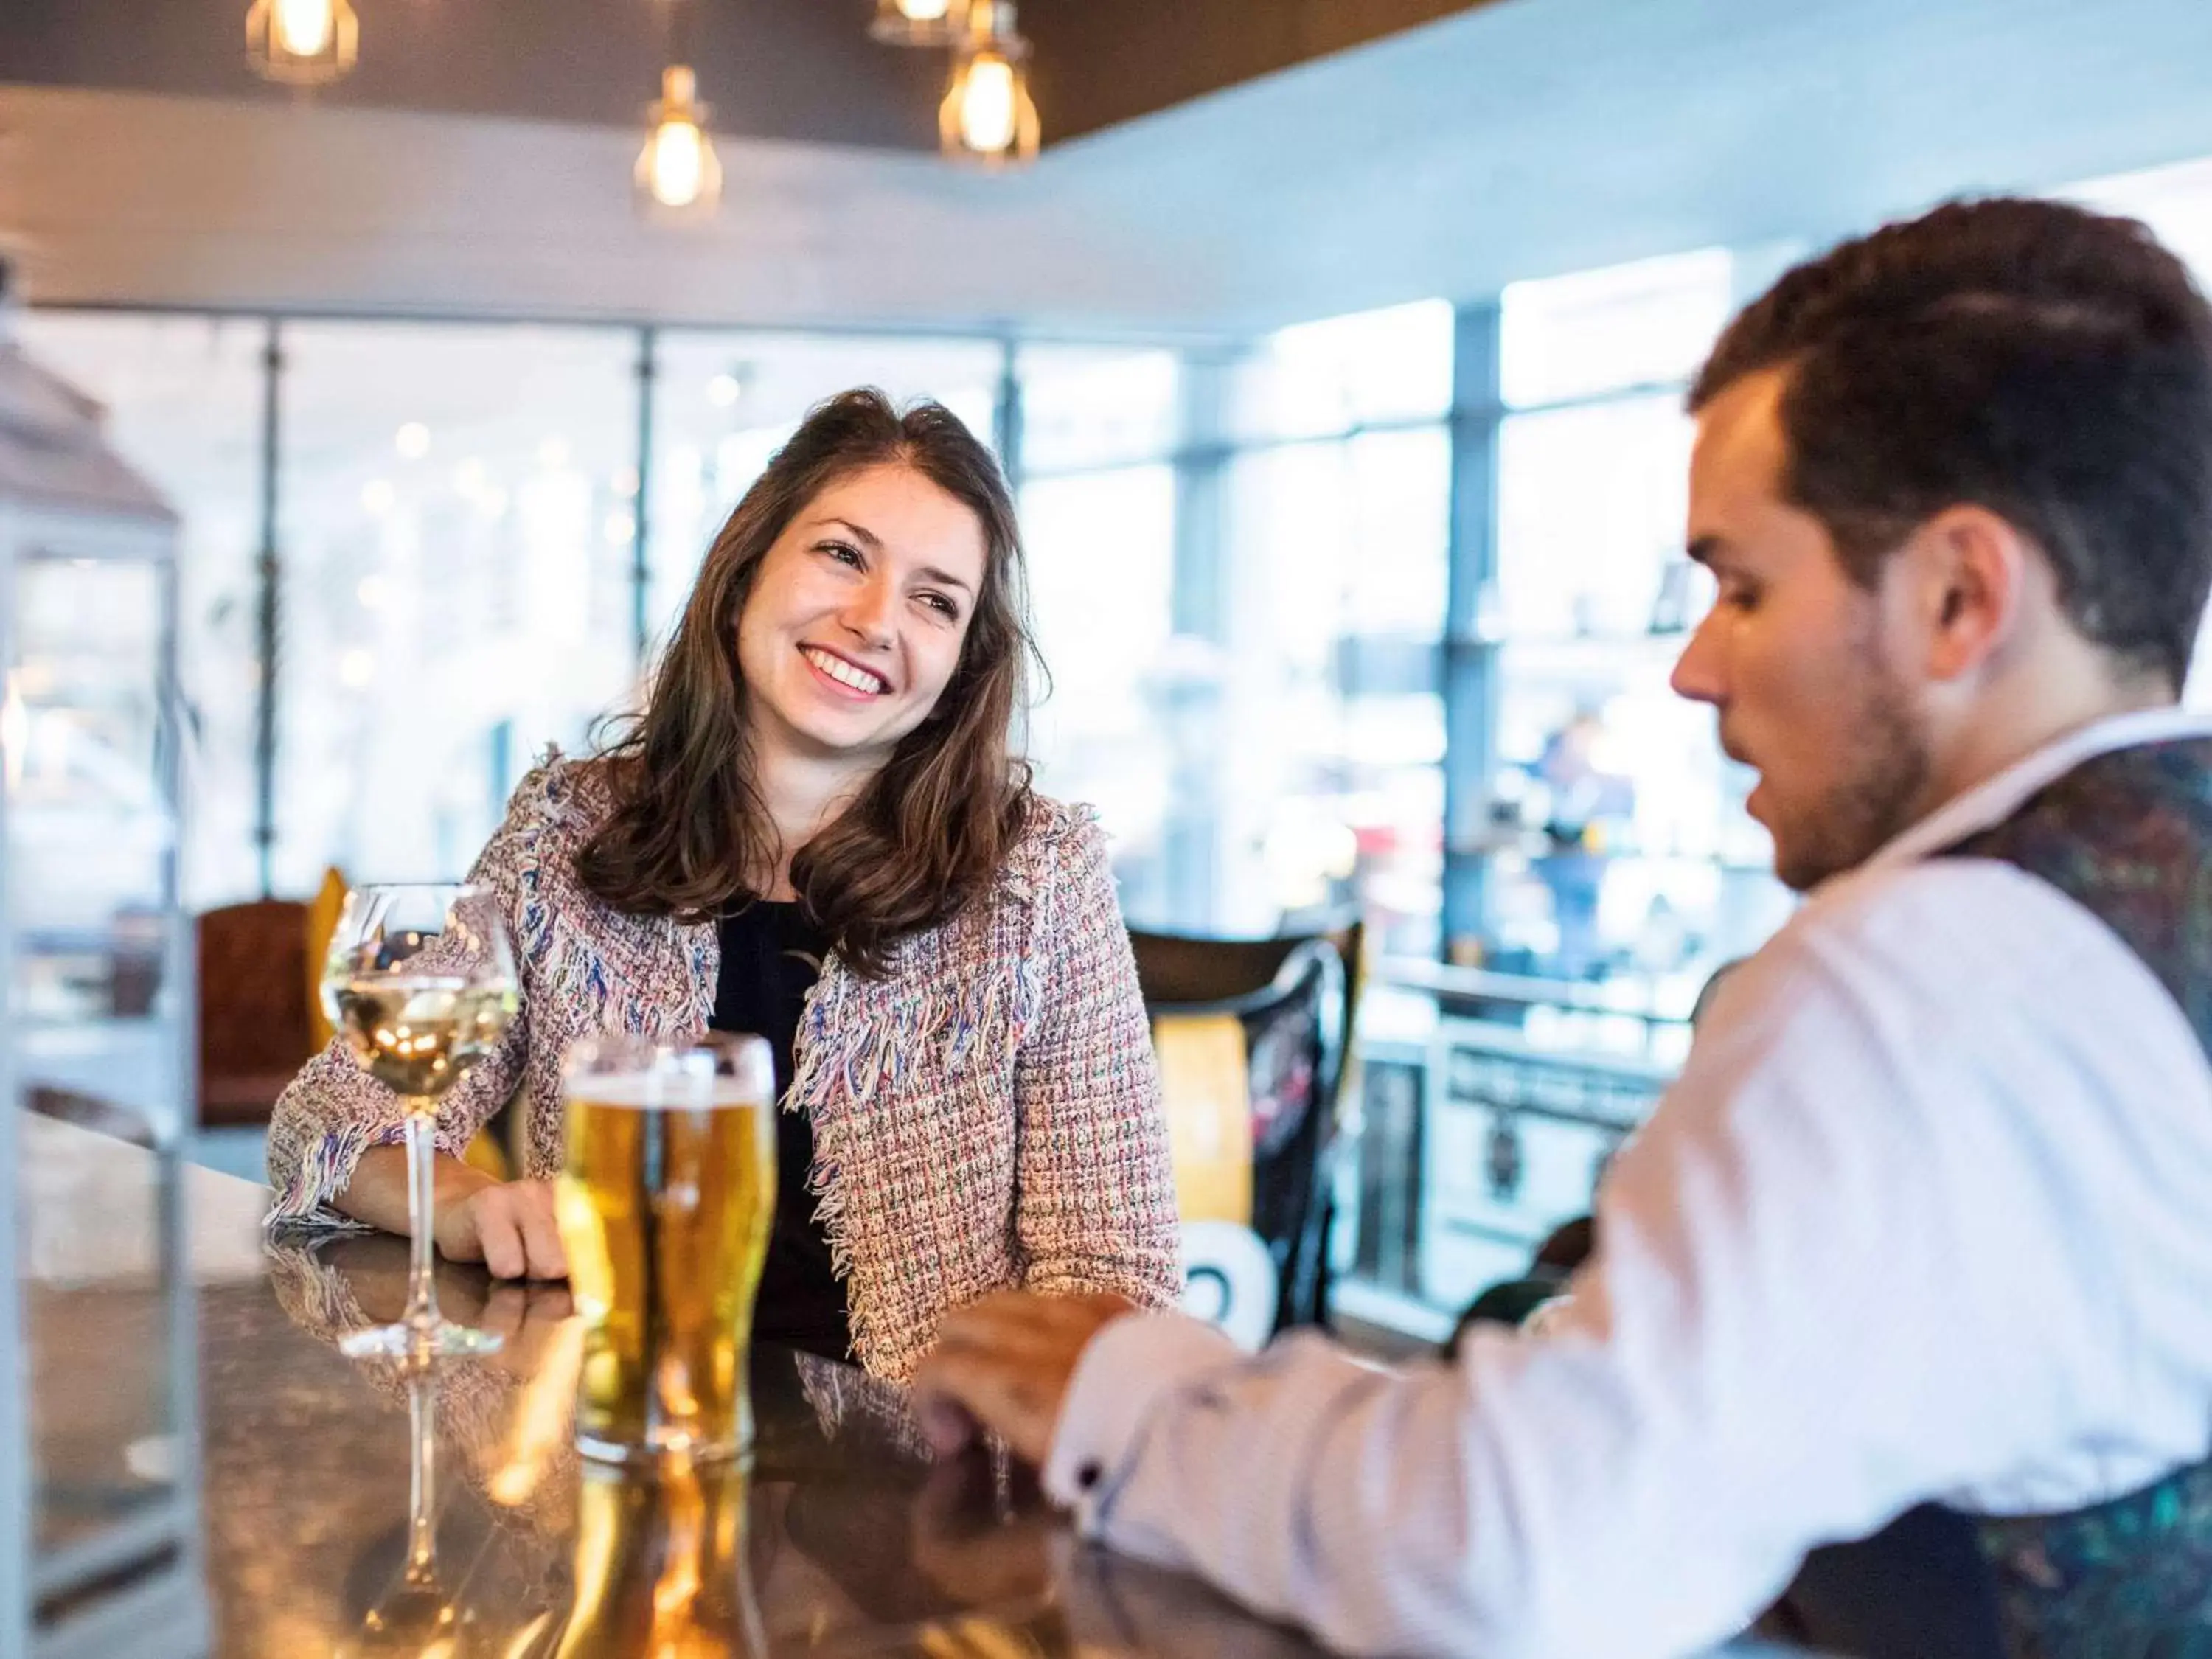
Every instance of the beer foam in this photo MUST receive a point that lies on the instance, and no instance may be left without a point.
(663, 1092)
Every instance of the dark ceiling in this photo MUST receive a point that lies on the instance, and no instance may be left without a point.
(1100, 61)
(802, 70)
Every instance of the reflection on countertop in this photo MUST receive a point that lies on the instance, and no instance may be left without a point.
(352, 1509)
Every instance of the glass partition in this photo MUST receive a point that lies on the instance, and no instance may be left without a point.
(1102, 573)
(95, 971)
(1331, 790)
(456, 533)
(181, 400)
(1620, 843)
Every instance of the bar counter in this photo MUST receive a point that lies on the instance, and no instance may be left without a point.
(843, 1538)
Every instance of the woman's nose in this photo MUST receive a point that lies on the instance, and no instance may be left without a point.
(867, 614)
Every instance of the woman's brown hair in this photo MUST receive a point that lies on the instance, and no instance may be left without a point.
(688, 831)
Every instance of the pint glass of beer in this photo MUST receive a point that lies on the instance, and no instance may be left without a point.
(665, 1201)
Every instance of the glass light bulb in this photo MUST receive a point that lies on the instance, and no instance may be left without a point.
(304, 27)
(924, 11)
(987, 105)
(678, 169)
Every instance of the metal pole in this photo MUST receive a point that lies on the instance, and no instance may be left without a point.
(1006, 416)
(1206, 788)
(1470, 655)
(267, 570)
(16, 1529)
(641, 569)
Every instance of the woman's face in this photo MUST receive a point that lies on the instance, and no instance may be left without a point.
(854, 624)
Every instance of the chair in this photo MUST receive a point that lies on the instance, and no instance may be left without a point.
(323, 912)
(256, 1016)
(1290, 1001)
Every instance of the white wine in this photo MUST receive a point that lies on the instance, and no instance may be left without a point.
(417, 1034)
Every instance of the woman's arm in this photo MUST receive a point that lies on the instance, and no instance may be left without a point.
(334, 1114)
(1095, 1201)
(508, 1226)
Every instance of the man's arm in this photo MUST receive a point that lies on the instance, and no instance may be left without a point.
(1831, 1237)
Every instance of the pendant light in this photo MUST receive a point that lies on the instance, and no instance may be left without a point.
(918, 23)
(987, 114)
(302, 42)
(678, 175)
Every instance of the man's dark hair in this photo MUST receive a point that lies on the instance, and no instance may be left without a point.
(2051, 365)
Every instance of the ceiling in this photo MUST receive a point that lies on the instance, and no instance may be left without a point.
(768, 66)
(797, 70)
(1515, 139)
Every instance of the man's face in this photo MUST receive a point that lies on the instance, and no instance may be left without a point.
(1799, 664)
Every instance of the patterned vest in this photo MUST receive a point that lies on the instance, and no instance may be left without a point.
(2128, 837)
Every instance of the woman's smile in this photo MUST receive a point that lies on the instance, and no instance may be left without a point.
(845, 676)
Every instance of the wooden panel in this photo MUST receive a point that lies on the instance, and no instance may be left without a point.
(1098, 65)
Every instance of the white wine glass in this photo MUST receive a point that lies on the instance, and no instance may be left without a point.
(421, 981)
(419, 1616)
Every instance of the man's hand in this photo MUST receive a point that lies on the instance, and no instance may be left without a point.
(962, 1541)
(508, 1226)
(1004, 1363)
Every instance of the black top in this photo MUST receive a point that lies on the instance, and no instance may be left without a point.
(771, 958)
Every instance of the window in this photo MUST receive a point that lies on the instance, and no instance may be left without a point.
(1316, 379)
(1098, 506)
(1648, 323)
(183, 400)
(1620, 843)
(1328, 673)
(455, 510)
(1101, 563)
(1092, 406)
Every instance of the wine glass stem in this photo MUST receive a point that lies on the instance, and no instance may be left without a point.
(422, 1289)
(422, 1502)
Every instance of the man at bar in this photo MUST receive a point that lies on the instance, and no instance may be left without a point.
(1924, 1229)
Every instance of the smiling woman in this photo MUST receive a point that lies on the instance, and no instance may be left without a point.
(816, 831)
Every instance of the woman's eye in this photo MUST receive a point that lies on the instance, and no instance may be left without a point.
(844, 553)
(943, 606)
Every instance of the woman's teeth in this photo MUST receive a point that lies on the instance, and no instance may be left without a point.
(844, 673)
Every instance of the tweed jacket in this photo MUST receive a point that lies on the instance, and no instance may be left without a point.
(986, 1114)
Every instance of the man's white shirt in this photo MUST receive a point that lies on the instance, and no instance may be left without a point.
(1928, 1214)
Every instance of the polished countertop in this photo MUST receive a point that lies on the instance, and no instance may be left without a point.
(842, 1538)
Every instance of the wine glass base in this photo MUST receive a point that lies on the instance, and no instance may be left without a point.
(439, 1339)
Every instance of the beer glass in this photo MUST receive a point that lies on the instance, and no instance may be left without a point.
(665, 1201)
(660, 1566)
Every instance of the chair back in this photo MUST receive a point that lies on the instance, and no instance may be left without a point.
(1287, 1004)
(323, 912)
(255, 1025)
(1206, 1084)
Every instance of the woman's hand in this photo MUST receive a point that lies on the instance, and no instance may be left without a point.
(507, 1225)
